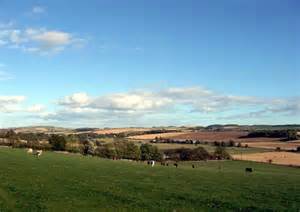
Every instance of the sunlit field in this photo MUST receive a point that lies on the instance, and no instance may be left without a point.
(72, 182)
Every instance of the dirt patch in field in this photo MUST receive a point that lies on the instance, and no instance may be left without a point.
(153, 136)
(283, 158)
(274, 144)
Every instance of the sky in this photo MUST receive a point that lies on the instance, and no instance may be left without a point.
(110, 63)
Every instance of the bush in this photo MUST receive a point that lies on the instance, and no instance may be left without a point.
(58, 142)
(231, 143)
(221, 153)
(88, 148)
(292, 135)
(105, 151)
(150, 152)
(73, 149)
(185, 154)
(127, 150)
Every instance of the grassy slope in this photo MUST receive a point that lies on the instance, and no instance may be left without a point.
(72, 182)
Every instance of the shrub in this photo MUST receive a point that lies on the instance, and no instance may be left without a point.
(216, 143)
(88, 148)
(221, 153)
(292, 135)
(73, 149)
(105, 151)
(231, 143)
(58, 142)
(127, 150)
(198, 153)
(150, 152)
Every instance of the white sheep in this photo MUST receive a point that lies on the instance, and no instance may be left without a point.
(37, 153)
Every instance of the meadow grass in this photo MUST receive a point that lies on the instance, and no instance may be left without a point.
(58, 182)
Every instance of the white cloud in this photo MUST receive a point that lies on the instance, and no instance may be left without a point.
(16, 104)
(38, 10)
(4, 75)
(36, 108)
(53, 38)
(176, 104)
(38, 40)
(191, 105)
(75, 100)
(9, 104)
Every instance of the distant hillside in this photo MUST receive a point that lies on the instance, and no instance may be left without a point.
(42, 129)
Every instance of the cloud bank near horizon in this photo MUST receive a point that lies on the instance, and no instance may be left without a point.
(170, 106)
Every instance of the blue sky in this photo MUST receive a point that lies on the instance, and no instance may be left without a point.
(110, 63)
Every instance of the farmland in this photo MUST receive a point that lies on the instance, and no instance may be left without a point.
(283, 158)
(58, 182)
(157, 135)
(264, 145)
(273, 144)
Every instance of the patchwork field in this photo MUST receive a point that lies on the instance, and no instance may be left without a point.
(58, 182)
(283, 158)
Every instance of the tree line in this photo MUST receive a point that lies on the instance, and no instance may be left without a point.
(115, 150)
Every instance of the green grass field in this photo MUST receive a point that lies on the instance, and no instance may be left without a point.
(58, 182)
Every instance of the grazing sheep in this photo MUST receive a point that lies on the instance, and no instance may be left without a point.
(37, 153)
(248, 170)
(152, 162)
(176, 165)
(29, 151)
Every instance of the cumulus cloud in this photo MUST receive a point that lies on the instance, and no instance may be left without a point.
(15, 104)
(190, 105)
(9, 104)
(38, 40)
(36, 108)
(144, 106)
(75, 100)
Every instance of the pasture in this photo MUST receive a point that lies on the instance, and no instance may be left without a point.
(59, 182)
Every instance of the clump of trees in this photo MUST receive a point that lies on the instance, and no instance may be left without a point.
(221, 153)
(89, 144)
(150, 152)
(58, 142)
(288, 135)
(198, 153)
(230, 143)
